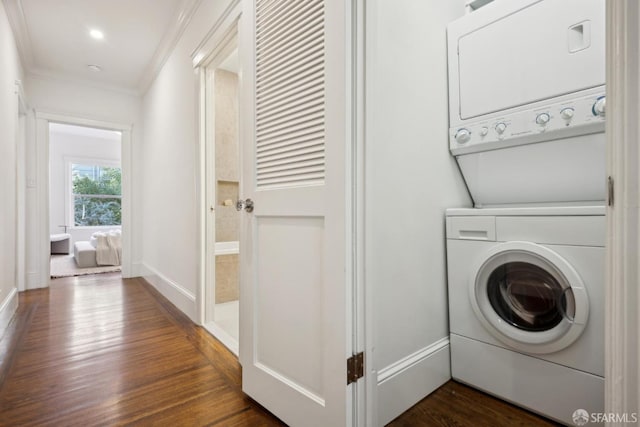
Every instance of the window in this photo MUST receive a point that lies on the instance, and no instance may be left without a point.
(96, 195)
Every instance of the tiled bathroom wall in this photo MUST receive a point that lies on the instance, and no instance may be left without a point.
(227, 278)
(227, 158)
(227, 177)
(227, 217)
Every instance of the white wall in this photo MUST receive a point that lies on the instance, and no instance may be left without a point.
(66, 98)
(171, 227)
(10, 71)
(410, 180)
(63, 148)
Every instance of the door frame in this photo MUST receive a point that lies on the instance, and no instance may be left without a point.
(364, 392)
(213, 49)
(21, 187)
(43, 119)
(622, 395)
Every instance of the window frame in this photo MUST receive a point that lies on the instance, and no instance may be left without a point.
(70, 197)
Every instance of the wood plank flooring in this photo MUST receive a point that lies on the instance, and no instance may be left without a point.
(455, 404)
(100, 350)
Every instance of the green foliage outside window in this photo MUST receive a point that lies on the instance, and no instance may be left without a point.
(93, 205)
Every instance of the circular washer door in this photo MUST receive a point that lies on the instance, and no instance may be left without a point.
(529, 297)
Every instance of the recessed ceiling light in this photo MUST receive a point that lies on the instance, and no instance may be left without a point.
(94, 68)
(96, 34)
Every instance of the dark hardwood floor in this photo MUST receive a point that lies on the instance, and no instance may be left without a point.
(100, 350)
(455, 404)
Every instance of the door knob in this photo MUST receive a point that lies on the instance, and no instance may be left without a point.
(246, 204)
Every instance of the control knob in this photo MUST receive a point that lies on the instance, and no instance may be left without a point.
(567, 113)
(500, 128)
(543, 119)
(463, 136)
(598, 108)
(484, 131)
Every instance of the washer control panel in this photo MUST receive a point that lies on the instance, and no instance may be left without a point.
(561, 120)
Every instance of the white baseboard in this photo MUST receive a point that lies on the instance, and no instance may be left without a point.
(179, 296)
(7, 309)
(407, 381)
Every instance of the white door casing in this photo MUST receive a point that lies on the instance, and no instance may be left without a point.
(21, 187)
(622, 321)
(295, 292)
(41, 252)
(217, 45)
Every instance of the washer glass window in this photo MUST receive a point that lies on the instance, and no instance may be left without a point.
(527, 296)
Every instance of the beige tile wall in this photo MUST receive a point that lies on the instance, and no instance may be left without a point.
(227, 159)
(226, 278)
(226, 124)
(227, 176)
(227, 217)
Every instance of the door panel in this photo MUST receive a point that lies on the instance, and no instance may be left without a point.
(295, 293)
(279, 241)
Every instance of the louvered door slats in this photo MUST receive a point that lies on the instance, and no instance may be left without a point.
(314, 110)
(298, 94)
(290, 93)
(305, 122)
(313, 57)
(293, 42)
(300, 143)
(316, 132)
(281, 159)
(289, 18)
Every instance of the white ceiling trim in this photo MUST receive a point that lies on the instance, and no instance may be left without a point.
(222, 29)
(22, 99)
(42, 74)
(184, 14)
(18, 23)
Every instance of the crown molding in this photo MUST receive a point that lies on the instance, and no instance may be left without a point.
(184, 13)
(223, 31)
(18, 23)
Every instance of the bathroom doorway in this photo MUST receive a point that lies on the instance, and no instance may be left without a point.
(222, 285)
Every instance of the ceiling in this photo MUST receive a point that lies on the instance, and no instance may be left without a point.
(53, 38)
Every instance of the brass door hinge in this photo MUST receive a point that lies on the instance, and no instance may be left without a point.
(355, 368)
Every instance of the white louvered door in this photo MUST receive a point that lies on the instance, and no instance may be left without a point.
(295, 292)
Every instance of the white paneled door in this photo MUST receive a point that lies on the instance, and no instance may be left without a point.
(296, 304)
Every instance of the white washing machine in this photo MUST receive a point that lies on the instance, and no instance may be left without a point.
(526, 304)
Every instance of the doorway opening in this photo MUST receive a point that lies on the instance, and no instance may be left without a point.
(85, 200)
(222, 282)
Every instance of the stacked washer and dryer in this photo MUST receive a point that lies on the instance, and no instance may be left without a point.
(526, 265)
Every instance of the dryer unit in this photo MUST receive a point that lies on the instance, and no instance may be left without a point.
(527, 101)
(526, 305)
